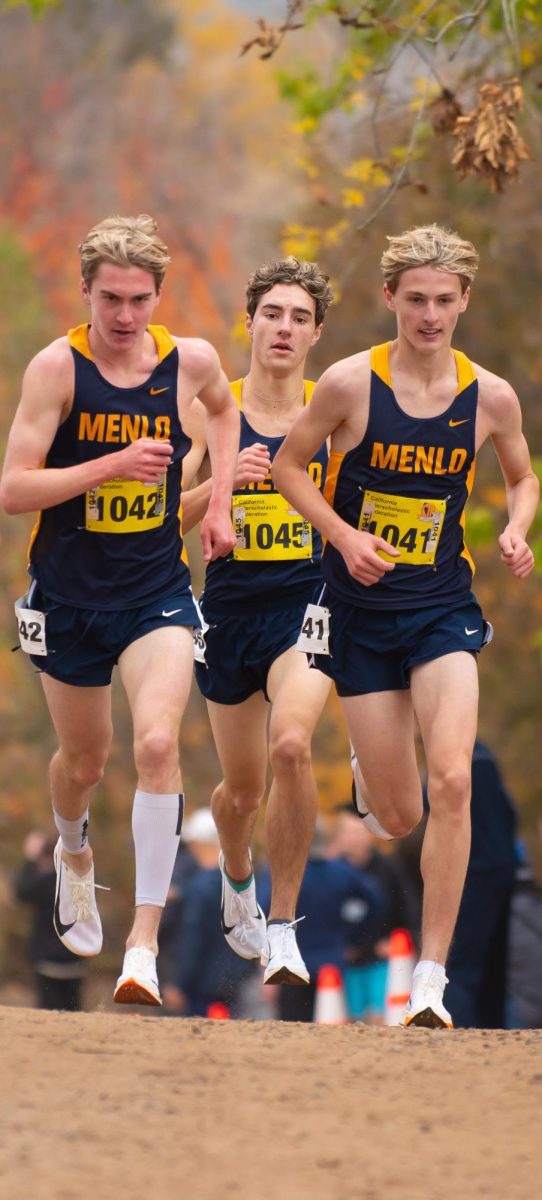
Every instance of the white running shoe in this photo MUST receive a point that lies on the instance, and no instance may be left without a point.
(243, 922)
(360, 805)
(75, 917)
(138, 983)
(425, 1008)
(281, 958)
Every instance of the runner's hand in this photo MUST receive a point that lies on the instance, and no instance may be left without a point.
(253, 465)
(217, 536)
(145, 459)
(359, 551)
(516, 554)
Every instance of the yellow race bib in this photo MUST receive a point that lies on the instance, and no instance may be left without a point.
(413, 526)
(267, 528)
(125, 506)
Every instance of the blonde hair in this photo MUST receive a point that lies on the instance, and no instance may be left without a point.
(290, 270)
(429, 246)
(127, 242)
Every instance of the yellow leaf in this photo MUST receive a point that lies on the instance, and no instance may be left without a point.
(352, 197)
(306, 165)
(360, 170)
(238, 332)
(335, 233)
(380, 178)
(306, 125)
(303, 243)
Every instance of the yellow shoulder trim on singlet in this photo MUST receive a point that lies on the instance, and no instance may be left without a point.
(309, 388)
(78, 338)
(465, 370)
(163, 340)
(236, 388)
(380, 362)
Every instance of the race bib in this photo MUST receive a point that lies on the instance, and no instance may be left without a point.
(413, 526)
(199, 637)
(314, 634)
(125, 506)
(31, 626)
(268, 528)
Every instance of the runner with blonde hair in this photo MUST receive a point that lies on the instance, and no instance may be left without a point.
(98, 445)
(396, 625)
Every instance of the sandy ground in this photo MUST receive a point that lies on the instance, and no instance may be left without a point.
(122, 1107)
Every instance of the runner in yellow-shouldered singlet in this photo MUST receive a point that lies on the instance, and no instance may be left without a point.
(398, 620)
(97, 446)
(249, 669)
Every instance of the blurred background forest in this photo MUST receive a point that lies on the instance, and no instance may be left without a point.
(250, 130)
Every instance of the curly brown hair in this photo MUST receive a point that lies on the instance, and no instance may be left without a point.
(290, 270)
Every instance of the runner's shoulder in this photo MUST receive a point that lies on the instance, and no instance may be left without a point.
(347, 377)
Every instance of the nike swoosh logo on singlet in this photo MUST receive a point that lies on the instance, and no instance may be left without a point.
(463, 422)
(158, 391)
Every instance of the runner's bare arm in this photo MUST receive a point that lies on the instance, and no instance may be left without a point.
(502, 413)
(253, 465)
(205, 375)
(45, 403)
(331, 411)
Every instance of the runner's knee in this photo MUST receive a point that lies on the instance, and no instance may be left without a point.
(81, 771)
(449, 789)
(156, 750)
(290, 750)
(243, 798)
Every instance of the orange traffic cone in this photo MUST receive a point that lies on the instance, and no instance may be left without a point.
(400, 972)
(330, 1004)
(217, 1011)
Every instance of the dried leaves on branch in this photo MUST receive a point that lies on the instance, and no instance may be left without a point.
(488, 142)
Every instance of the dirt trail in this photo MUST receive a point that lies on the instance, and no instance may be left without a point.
(99, 1106)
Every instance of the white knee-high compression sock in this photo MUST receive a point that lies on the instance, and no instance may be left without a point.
(156, 827)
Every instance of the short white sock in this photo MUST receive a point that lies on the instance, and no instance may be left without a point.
(73, 834)
(431, 970)
(156, 828)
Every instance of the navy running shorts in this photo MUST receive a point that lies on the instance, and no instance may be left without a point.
(83, 645)
(374, 650)
(241, 647)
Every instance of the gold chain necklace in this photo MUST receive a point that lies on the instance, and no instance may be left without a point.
(275, 403)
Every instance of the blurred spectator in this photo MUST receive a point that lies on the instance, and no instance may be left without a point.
(339, 903)
(205, 970)
(169, 932)
(58, 973)
(365, 977)
(525, 948)
(477, 963)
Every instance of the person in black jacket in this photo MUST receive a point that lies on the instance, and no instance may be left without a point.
(478, 956)
(58, 973)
